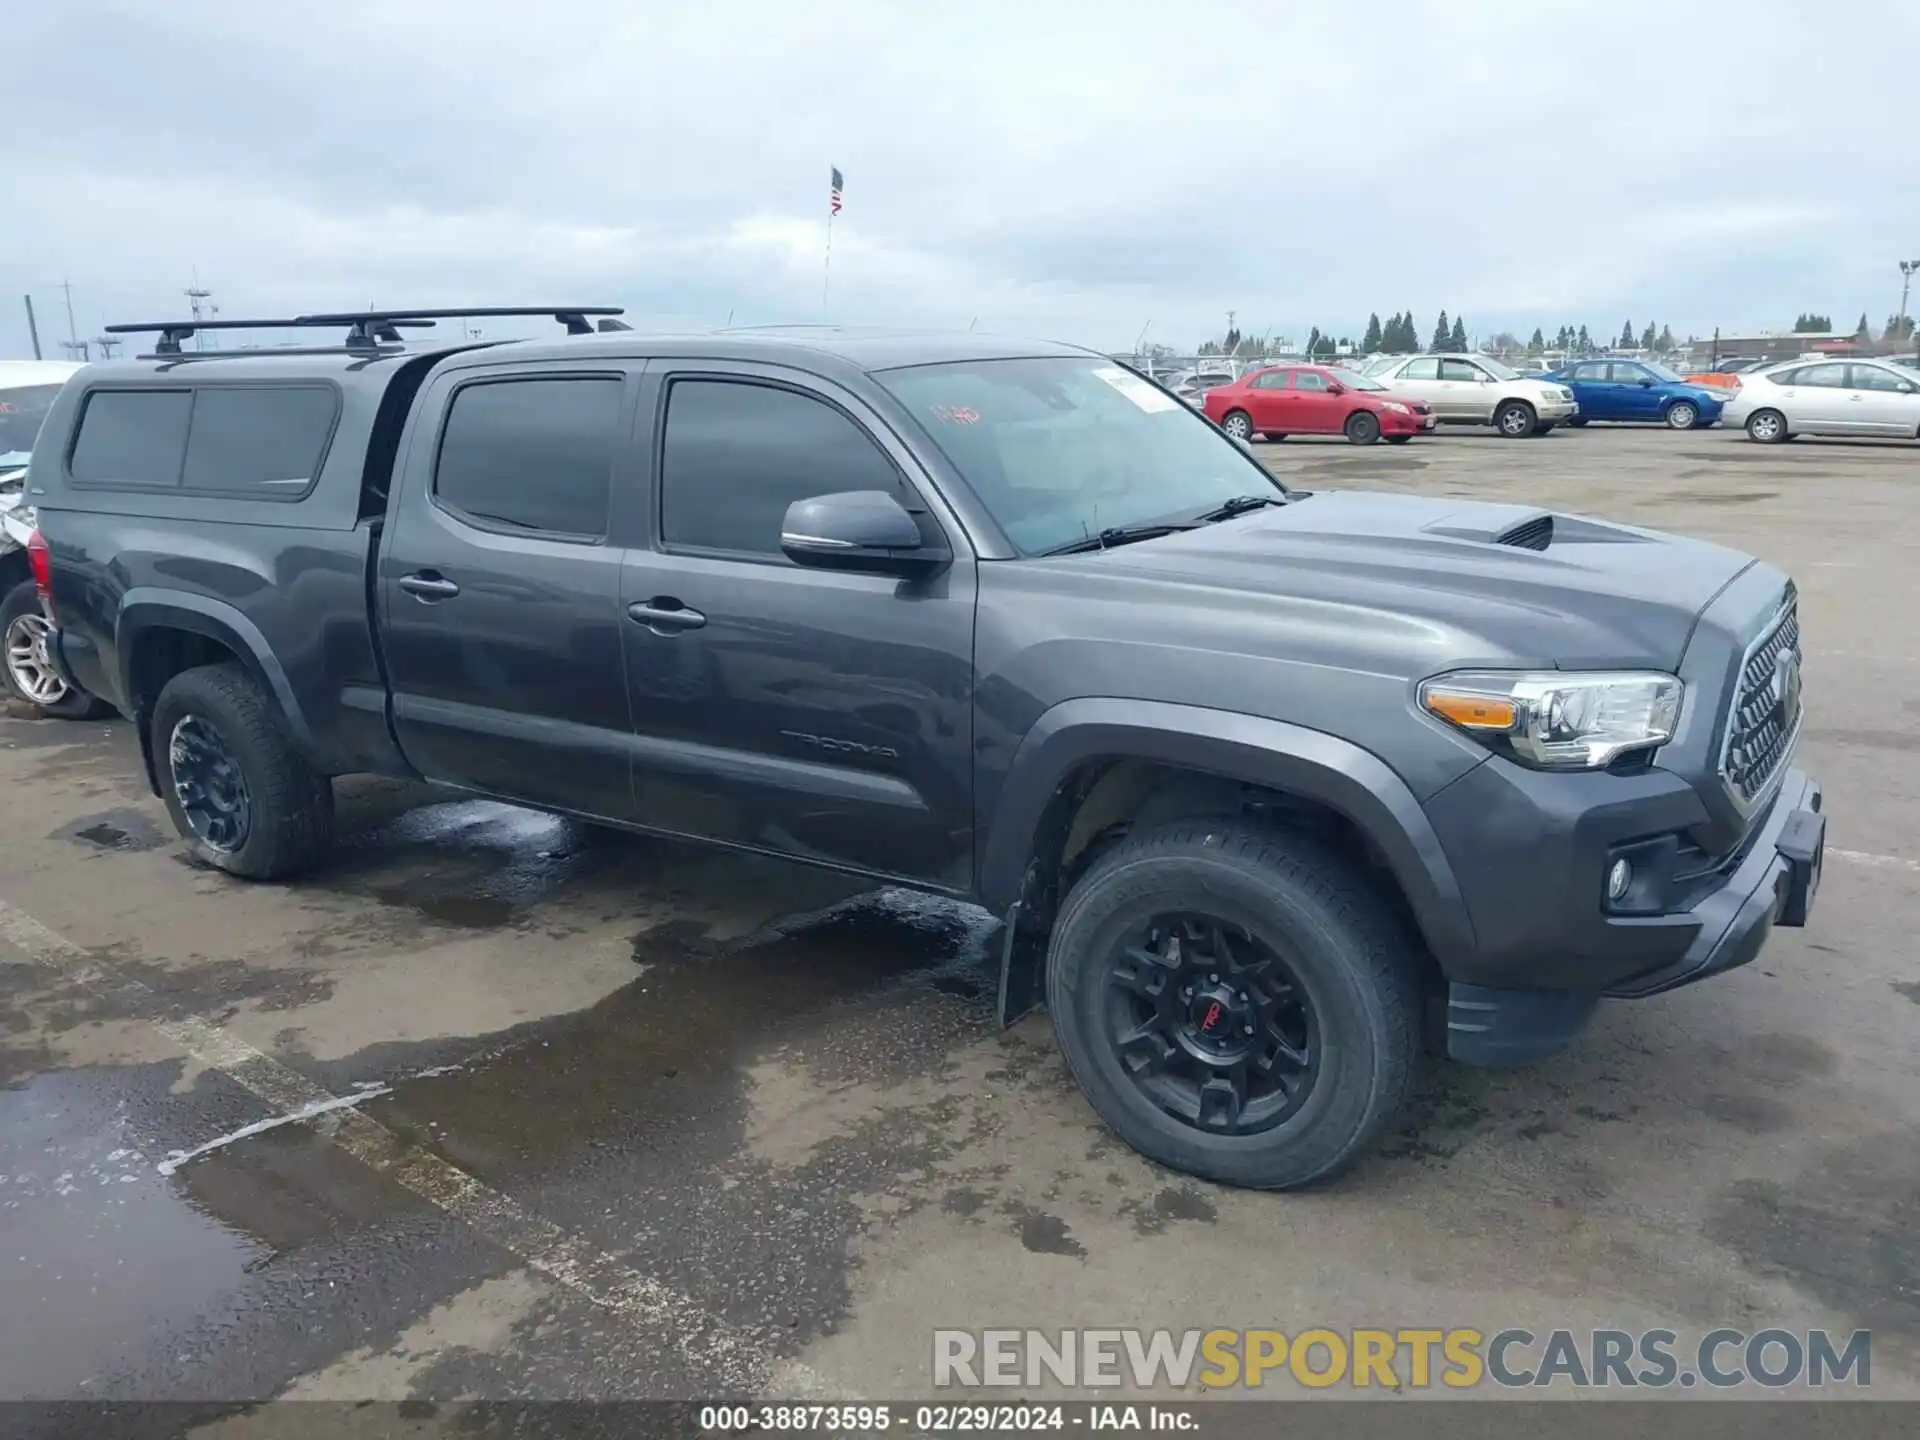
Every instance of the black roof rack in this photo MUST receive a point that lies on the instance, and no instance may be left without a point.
(369, 332)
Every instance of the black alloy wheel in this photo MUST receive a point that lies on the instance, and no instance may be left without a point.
(1211, 1024)
(211, 789)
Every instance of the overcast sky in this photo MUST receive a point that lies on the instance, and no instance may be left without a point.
(1078, 171)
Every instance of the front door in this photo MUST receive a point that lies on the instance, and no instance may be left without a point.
(1631, 394)
(819, 714)
(1466, 391)
(500, 590)
(1889, 404)
(1316, 408)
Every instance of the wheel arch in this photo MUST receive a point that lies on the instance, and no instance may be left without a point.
(1091, 763)
(158, 634)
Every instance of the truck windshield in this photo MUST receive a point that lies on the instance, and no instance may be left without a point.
(22, 408)
(1062, 449)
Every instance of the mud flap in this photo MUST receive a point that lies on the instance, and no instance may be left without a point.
(1023, 959)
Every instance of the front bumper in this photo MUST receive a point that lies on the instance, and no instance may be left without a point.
(1505, 1009)
(1555, 411)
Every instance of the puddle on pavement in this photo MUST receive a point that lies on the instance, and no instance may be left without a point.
(666, 1054)
(100, 1257)
(115, 830)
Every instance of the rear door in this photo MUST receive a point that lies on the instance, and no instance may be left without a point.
(1591, 392)
(500, 589)
(1819, 399)
(1268, 402)
(818, 714)
(1420, 378)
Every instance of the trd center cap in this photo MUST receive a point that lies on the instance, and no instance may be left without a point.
(1218, 1017)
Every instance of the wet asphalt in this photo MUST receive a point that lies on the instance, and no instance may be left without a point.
(609, 1093)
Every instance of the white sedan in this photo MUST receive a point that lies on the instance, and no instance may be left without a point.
(1827, 397)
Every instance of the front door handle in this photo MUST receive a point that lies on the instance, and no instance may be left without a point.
(665, 616)
(429, 585)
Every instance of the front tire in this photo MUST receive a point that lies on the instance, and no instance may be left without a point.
(1238, 424)
(1235, 1002)
(1682, 415)
(1768, 427)
(1578, 420)
(29, 672)
(1515, 419)
(1362, 428)
(1398, 439)
(238, 792)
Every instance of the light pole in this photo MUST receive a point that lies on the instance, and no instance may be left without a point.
(1907, 267)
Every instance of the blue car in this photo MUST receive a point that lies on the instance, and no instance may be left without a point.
(1637, 390)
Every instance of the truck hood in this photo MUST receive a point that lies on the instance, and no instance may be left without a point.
(1457, 581)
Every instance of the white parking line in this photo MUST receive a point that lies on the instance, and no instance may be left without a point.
(738, 1360)
(1878, 862)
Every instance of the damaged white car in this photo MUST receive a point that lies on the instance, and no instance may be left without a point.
(27, 388)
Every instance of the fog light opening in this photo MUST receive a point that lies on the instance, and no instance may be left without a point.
(1619, 880)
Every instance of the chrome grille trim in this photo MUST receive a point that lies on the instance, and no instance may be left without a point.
(1765, 711)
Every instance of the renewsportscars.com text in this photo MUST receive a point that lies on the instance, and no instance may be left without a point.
(1418, 1359)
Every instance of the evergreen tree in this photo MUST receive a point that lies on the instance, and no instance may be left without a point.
(1862, 332)
(1648, 336)
(1538, 344)
(1371, 341)
(1582, 343)
(1626, 336)
(1442, 333)
(1313, 343)
(1458, 339)
(1409, 335)
(1663, 342)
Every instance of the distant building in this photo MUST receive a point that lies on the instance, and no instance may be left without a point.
(1768, 345)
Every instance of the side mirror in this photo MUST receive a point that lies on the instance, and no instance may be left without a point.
(867, 530)
(1336, 388)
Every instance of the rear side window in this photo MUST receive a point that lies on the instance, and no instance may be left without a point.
(266, 441)
(1427, 369)
(737, 454)
(132, 437)
(532, 455)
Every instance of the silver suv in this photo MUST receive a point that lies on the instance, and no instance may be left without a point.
(1480, 390)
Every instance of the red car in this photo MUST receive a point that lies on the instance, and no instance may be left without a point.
(1285, 400)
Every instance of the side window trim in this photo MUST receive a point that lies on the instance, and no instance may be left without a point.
(531, 374)
(657, 520)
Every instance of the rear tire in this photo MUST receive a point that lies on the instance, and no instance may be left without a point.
(1238, 424)
(27, 671)
(1682, 415)
(1362, 428)
(1398, 439)
(1516, 420)
(240, 795)
(1768, 427)
(1305, 957)
(1578, 420)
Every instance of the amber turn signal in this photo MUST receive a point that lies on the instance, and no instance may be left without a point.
(1472, 712)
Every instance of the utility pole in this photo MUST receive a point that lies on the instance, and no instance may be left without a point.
(201, 303)
(1907, 267)
(33, 327)
(108, 344)
(76, 348)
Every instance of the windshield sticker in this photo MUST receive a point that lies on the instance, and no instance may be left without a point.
(956, 414)
(1148, 397)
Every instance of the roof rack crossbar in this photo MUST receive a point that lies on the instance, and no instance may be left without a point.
(368, 329)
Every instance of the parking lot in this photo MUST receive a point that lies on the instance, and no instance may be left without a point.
(595, 1116)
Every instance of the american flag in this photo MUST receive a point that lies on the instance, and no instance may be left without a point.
(834, 193)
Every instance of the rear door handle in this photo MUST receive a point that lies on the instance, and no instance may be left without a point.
(664, 615)
(429, 585)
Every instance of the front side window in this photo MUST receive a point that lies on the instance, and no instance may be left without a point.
(1872, 377)
(532, 455)
(736, 454)
(1060, 449)
(132, 437)
(1627, 374)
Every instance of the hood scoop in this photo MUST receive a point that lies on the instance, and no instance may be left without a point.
(1509, 525)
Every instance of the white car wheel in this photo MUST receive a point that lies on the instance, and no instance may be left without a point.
(1769, 427)
(1238, 425)
(1682, 415)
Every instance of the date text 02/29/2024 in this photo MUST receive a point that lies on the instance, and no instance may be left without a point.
(950, 1419)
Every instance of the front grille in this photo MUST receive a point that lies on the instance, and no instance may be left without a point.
(1765, 716)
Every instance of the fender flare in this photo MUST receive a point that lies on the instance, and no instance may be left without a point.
(148, 608)
(1309, 763)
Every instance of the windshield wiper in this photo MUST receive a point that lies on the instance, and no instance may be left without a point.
(1117, 535)
(1238, 505)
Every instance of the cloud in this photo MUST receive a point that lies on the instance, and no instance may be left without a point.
(1076, 169)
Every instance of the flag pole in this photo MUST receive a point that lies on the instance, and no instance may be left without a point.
(826, 272)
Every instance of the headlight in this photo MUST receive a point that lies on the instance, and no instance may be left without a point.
(1396, 407)
(1555, 720)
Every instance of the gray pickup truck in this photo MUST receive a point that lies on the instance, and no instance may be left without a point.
(1260, 779)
